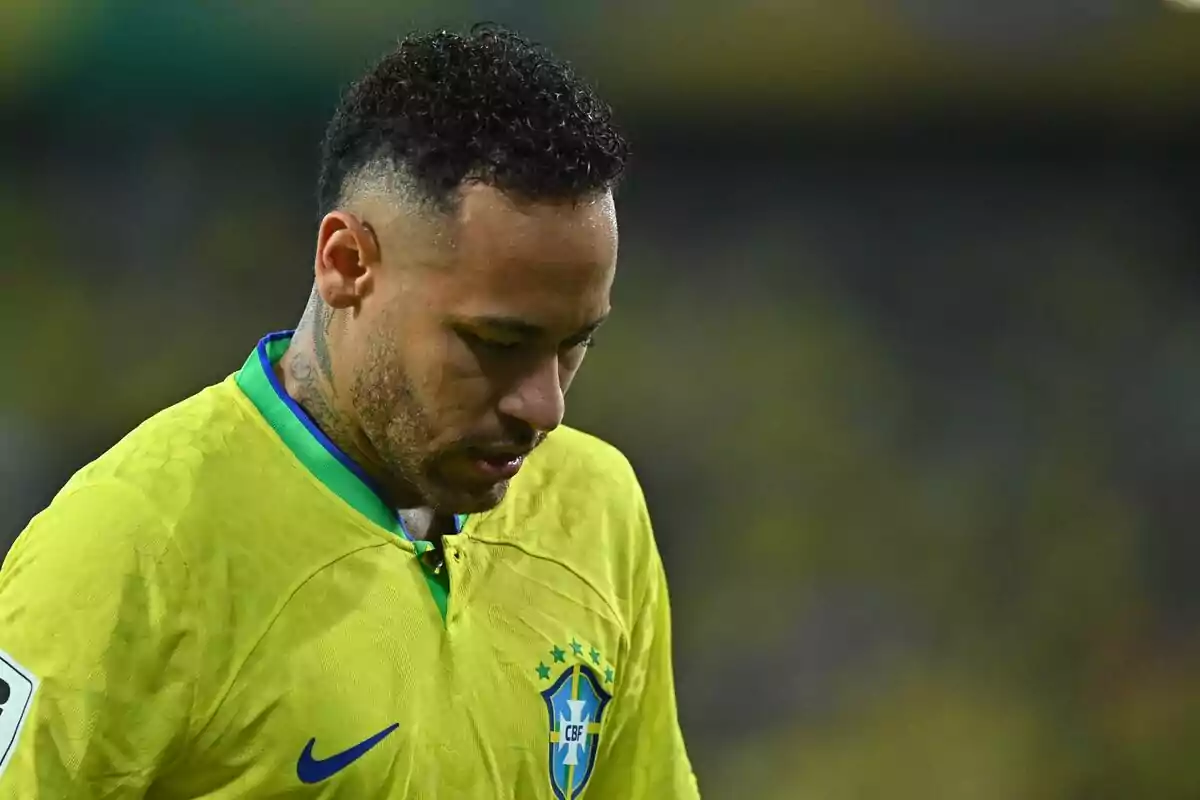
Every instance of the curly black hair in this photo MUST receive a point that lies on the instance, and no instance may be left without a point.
(489, 105)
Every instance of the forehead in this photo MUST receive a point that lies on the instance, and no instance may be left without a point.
(533, 259)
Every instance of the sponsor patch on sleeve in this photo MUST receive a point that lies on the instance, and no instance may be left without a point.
(17, 686)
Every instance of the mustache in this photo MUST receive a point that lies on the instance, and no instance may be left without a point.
(513, 442)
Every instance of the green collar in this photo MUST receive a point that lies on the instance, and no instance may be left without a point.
(316, 452)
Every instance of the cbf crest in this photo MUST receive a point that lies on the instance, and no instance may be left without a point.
(575, 702)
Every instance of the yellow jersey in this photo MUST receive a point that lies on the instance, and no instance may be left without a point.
(222, 606)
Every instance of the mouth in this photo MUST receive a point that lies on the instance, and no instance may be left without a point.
(496, 465)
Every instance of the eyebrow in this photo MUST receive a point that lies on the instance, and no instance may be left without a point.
(519, 327)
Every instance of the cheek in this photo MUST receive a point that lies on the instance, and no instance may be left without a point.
(456, 381)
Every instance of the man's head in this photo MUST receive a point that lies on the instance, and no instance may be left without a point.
(465, 255)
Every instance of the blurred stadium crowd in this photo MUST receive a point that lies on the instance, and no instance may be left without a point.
(906, 346)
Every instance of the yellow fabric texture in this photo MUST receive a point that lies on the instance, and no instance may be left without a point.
(197, 607)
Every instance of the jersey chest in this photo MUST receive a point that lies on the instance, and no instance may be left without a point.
(362, 689)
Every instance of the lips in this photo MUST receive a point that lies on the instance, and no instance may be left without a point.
(499, 468)
(496, 465)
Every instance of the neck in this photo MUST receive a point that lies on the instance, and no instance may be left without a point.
(307, 373)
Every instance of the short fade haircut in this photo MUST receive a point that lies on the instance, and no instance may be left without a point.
(490, 105)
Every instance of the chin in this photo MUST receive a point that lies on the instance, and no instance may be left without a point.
(467, 500)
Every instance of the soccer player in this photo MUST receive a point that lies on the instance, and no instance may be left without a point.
(373, 563)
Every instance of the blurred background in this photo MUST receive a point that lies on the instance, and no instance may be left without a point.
(907, 343)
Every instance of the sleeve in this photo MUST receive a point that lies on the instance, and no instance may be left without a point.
(643, 756)
(94, 658)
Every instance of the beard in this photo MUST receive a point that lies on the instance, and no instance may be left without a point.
(418, 470)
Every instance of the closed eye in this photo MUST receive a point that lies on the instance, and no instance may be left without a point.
(495, 345)
(510, 345)
(581, 341)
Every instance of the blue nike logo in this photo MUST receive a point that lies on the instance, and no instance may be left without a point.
(310, 770)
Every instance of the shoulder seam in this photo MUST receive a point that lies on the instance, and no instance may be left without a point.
(223, 694)
(616, 614)
(168, 543)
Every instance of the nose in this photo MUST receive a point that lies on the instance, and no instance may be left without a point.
(537, 397)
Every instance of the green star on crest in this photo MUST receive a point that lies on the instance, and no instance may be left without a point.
(609, 675)
(559, 654)
(577, 647)
(543, 671)
(595, 654)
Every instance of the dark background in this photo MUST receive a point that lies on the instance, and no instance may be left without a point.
(905, 347)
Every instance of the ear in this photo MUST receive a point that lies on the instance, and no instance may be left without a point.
(347, 255)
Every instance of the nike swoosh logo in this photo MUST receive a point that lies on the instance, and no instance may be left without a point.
(310, 770)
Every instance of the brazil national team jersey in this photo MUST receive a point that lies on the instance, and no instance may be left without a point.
(221, 607)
